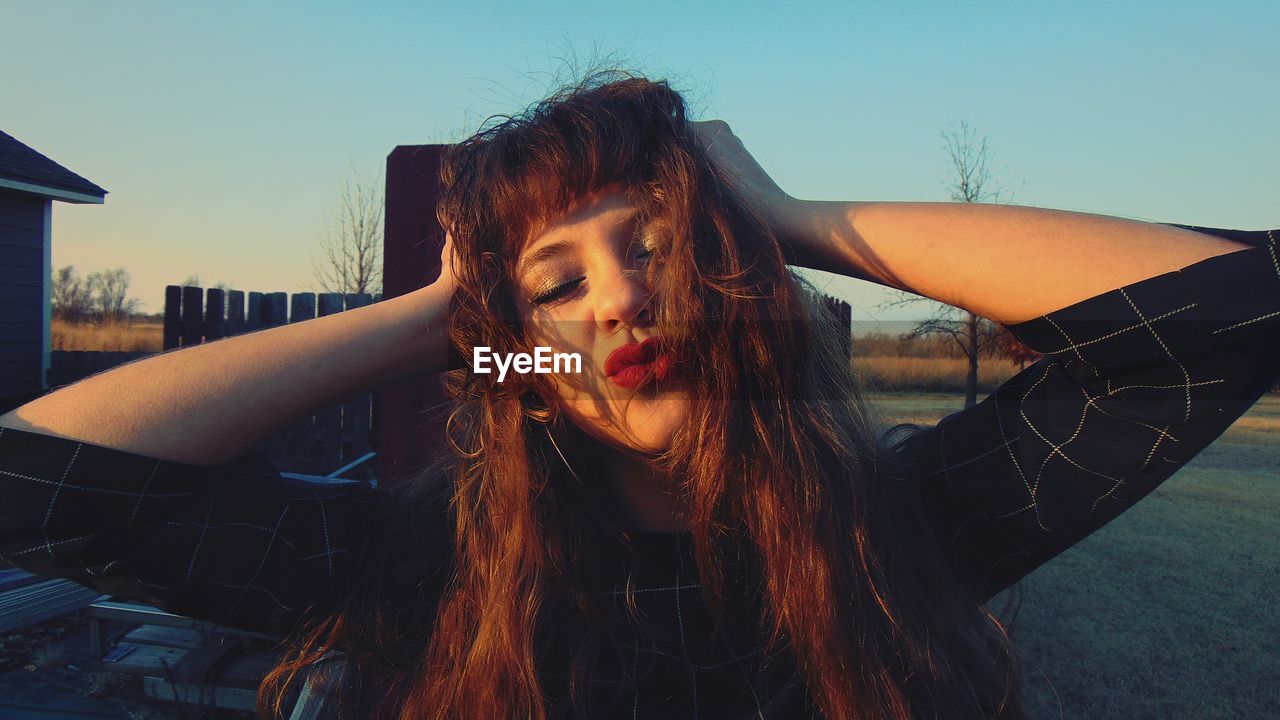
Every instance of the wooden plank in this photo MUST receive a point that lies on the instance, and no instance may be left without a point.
(357, 300)
(44, 600)
(248, 668)
(278, 302)
(14, 350)
(290, 446)
(304, 307)
(192, 316)
(229, 698)
(21, 255)
(140, 614)
(137, 613)
(329, 303)
(21, 294)
(357, 419)
(357, 422)
(19, 275)
(215, 319)
(164, 636)
(146, 660)
(235, 312)
(201, 662)
(253, 316)
(325, 452)
(408, 438)
(172, 316)
(20, 210)
(14, 578)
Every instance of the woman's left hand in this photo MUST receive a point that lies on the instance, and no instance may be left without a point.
(731, 157)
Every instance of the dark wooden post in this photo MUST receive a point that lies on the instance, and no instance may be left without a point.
(329, 303)
(277, 304)
(329, 420)
(357, 420)
(172, 316)
(215, 320)
(253, 316)
(843, 314)
(304, 307)
(407, 436)
(192, 316)
(235, 312)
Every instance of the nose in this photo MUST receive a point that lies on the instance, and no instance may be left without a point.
(624, 300)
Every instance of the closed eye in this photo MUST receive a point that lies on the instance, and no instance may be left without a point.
(560, 291)
(557, 292)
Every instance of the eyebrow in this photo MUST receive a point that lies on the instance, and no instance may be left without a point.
(544, 253)
(557, 247)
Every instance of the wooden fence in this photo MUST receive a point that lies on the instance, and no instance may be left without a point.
(318, 444)
(843, 314)
(193, 315)
(68, 366)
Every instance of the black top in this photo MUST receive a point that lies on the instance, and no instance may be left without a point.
(1134, 383)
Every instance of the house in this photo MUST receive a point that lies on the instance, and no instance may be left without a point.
(29, 183)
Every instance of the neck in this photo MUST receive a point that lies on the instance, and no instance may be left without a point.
(648, 497)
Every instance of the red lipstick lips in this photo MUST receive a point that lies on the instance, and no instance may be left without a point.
(635, 364)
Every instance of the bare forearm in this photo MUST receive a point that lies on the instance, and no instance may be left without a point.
(211, 403)
(1004, 262)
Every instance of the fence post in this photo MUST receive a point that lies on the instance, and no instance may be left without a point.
(407, 420)
(192, 316)
(277, 309)
(355, 300)
(235, 312)
(172, 316)
(329, 420)
(304, 307)
(215, 321)
(253, 316)
(357, 413)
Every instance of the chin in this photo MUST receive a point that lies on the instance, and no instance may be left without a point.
(652, 425)
(643, 426)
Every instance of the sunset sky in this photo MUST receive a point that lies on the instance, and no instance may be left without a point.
(224, 130)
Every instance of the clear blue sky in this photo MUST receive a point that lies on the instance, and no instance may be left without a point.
(223, 130)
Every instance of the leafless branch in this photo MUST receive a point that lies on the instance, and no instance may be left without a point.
(351, 252)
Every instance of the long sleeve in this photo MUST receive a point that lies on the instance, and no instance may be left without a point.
(1134, 383)
(237, 544)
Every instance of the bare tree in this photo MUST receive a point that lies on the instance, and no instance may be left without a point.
(110, 290)
(351, 252)
(970, 179)
(71, 297)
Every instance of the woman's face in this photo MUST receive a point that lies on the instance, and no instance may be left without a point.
(581, 289)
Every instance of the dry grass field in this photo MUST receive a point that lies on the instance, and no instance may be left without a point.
(135, 336)
(1169, 611)
(929, 374)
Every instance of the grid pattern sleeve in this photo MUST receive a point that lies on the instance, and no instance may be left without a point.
(236, 544)
(1133, 384)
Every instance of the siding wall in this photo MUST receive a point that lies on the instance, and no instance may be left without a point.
(22, 291)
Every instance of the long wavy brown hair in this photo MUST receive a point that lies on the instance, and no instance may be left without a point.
(782, 467)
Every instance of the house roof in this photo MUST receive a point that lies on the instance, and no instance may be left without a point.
(25, 170)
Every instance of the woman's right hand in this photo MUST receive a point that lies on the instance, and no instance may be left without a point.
(448, 277)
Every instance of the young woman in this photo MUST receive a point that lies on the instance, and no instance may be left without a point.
(706, 521)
